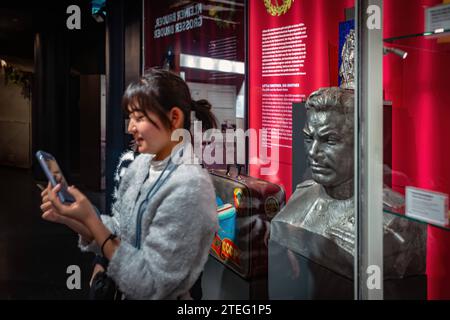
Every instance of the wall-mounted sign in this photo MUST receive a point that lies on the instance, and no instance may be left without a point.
(291, 54)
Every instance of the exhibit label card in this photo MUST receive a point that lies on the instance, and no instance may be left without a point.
(428, 206)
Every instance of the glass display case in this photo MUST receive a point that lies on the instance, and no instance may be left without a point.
(415, 130)
(416, 93)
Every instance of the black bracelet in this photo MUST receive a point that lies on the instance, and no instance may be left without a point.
(100, 260)
(112, 236)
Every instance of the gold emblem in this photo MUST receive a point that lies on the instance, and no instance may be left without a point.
(276, 9)
(271, 206)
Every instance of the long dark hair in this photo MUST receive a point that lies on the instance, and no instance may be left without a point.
(159, 91)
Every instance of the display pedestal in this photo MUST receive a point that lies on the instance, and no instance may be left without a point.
(294, 277)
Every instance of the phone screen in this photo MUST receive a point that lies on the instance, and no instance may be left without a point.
(56, 172)
(54, 175)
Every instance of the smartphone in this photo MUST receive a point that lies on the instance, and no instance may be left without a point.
(54, 175)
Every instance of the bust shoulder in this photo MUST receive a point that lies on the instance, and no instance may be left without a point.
(306, 184)
(304, 196)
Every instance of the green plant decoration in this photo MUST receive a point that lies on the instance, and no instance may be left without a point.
(20, 78)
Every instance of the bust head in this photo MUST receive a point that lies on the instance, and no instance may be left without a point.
(329, 140)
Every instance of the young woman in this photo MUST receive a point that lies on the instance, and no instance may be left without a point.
(158, 238)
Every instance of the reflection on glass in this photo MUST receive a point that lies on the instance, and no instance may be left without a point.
(56, 172)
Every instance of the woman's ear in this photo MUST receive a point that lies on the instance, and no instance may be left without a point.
(176, 117)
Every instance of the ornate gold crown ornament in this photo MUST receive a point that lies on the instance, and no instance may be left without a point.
(276, 9)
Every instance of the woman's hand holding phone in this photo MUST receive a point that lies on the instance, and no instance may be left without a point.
(80, 216)
(50, 213)
(75, 215)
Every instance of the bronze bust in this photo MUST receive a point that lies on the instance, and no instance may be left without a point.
(329, 144)
(318, 221)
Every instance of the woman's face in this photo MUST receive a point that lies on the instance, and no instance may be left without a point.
(150, 134)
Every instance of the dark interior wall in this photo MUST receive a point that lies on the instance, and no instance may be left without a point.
(123, 54)
(51, 106)
(90, 133)
(133, 40)
(61, 56)
(114, 85)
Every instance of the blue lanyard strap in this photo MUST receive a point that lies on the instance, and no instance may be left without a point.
(170, 167)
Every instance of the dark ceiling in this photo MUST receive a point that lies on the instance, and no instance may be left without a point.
(20, 23)
(16, 33)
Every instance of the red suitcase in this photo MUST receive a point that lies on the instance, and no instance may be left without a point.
(246, 206)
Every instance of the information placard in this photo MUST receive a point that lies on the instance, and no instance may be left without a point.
(437, 18)
(428, 206)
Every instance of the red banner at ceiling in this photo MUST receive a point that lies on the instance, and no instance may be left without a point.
(293, 51)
